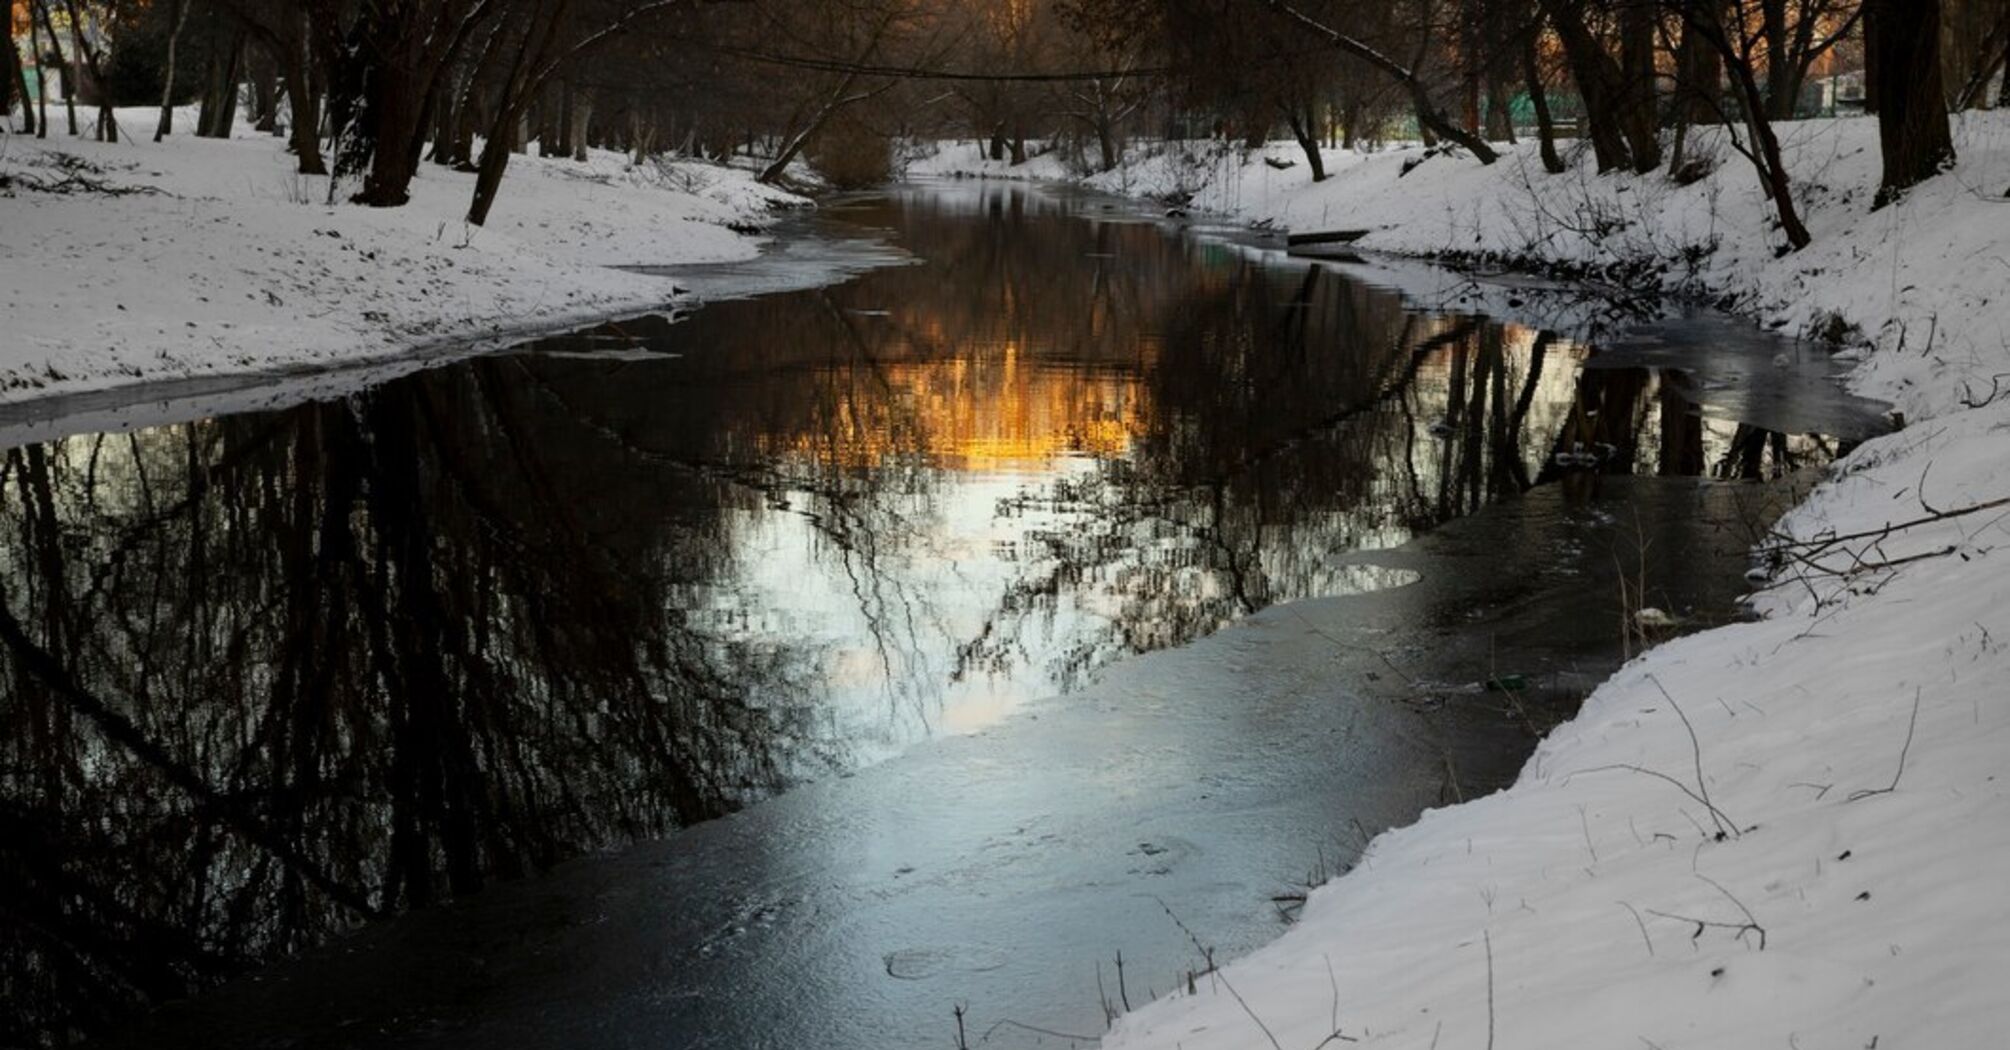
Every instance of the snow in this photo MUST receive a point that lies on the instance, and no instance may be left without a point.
(1853, 742)
(965, 159)
(231, 262)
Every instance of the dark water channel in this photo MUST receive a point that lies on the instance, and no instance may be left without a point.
(759, 679)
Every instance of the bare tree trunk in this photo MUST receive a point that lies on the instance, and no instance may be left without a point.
(69, 80)
(1305, 130)
(17, 76)
(644, 135)
(2003, 87)
(108, 125)
(219, 97)
(1618, 102)
(1911, 109)
(297, 67)
(520, 87)
(582, 121)
(1699, 73)
(467, 122)
(565, 110)
(446, 117)
(1500, 115)
(552, 107)
(264, 93)
(1764, 152)
(41, 81)
(832, 104)
(166, 126)
(1545, 127)
(409, 65)
(459, 151)
(1988, 61)
(398, 103)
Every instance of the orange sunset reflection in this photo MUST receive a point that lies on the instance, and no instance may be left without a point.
(989, 409)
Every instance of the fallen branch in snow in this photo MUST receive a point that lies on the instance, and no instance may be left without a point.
(1820, 543)
(1696, 749)
(1911, 725)
(1035, 1029)
(1969, 400)
(1702, 925)
(1808, 554)
(1488, 936)
(1750, 925)
(1642, 923)
(72, 174)
(1723, 820)
(71, 182)
(1333, 979)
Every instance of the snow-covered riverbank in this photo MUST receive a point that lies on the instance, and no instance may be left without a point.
(1786, 833)
(215, 257)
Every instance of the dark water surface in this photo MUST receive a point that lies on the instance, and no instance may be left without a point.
(274, 676)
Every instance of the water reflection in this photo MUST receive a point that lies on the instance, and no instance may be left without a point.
(267, 676)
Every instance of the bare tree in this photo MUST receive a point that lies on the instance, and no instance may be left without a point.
(1902, 48)
(178, 19)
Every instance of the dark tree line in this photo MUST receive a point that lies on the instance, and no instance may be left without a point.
(1632, 77)
(373, 91)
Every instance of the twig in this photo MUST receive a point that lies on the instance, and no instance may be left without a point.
(1696, 748)
(1035, 1029)
(1750, 925)
(1642, 923)
(1750, 919)
(1208, 954)
(1742, 928)
(1488, 936)
(1334, 1036)
(1715, 813)
(1334, 981)
(1822, 542)
(1910, 725)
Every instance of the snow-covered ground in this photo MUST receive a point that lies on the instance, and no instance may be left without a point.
(230, 262)
(1791, 833)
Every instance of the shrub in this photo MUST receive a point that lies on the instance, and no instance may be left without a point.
(852, 155)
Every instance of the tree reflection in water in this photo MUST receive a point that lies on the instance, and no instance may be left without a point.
(267, 676)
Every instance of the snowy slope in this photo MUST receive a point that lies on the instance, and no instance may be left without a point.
(1853, 746)
(231, 262)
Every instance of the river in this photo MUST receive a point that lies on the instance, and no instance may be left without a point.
(1062, 582)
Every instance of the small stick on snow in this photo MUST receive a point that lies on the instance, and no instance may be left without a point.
(1911, 725)
(1489, 937)
(1696, 748)
(1642, 923)
(1715, 813)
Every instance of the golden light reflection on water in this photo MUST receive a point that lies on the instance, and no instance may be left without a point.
(984, 410)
